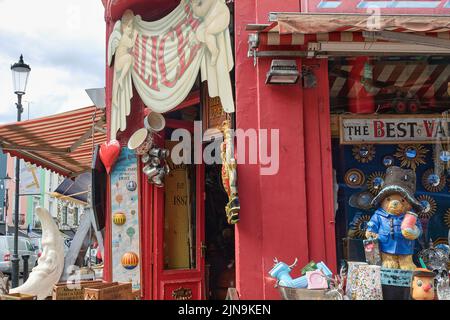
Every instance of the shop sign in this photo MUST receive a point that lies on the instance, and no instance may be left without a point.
(388, 129)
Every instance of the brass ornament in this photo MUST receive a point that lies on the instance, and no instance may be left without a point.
(363, 153)
(360, 227)
(354, 178)
(182, 294)
(433, 182)
(429, 204)
(411, 155)
(388, 161)
(375, 182)
(447, 218)
(442, 156)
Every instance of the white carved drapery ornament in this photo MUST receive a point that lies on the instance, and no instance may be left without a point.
(163, 58)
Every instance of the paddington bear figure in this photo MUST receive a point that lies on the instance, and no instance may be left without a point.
(391, 223)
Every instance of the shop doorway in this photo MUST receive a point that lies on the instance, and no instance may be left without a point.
(195, 243)
(219, 236)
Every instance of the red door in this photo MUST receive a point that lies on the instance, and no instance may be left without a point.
(178, 208)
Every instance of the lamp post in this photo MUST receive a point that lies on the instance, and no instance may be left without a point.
(5, 203)
(20, 73)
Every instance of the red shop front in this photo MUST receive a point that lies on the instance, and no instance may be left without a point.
(288, 215)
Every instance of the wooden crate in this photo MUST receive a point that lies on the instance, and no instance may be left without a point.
(17, 296)
(136, 295)
(61, 291)
(122, 291)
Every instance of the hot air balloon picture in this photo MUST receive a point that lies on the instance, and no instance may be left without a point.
(131, 232)
(130, 260)
(119, 199)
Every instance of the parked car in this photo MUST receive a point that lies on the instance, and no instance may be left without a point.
(25, 247)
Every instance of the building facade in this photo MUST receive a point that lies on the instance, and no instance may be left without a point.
(300, 212)
(37, 189)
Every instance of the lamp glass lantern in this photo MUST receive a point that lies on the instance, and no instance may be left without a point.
(20, 73)
(283, 72)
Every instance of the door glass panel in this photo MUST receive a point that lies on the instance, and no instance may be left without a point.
(179, 216)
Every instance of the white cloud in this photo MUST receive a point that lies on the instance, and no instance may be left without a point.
(64, 43)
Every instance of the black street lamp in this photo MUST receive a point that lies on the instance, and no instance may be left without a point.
(20, 73)
(5, 204)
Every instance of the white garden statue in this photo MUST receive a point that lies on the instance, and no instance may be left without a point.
(51, 262)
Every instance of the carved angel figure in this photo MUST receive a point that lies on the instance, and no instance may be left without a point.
(216, 18)
(120, 45)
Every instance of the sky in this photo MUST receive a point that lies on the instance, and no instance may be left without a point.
(63, 41)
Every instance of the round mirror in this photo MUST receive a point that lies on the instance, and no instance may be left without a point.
(353, 178)
(388, 161)
(444, 156)
(434, 180)
(131, 186)
(363, 151)
(426, 206)
(378, 183)
(411, 153)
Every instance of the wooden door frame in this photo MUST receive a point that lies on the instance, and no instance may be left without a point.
(161, 276)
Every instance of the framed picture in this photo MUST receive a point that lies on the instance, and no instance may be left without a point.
(212, 115)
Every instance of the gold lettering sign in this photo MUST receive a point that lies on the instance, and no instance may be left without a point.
(182, 294)
(213, 115)
(398, 129)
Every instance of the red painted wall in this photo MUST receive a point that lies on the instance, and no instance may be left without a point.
(288, 215)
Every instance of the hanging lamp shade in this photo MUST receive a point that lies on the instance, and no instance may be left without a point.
(20, 73)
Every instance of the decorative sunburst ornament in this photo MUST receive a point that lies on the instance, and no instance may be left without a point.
(429, 204)
(354, 178)
(363, 153)
(361, 226)
(432, 181)
(447, 218)
(441, 156)
(375, 182)
(411, 155)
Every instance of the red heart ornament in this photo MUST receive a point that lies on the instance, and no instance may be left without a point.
(109, 152)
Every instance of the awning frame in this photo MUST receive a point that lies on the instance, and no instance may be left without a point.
(394, 42)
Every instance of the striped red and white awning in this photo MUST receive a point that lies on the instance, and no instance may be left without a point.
(415, 79)
(61, 143)
(298, 29)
